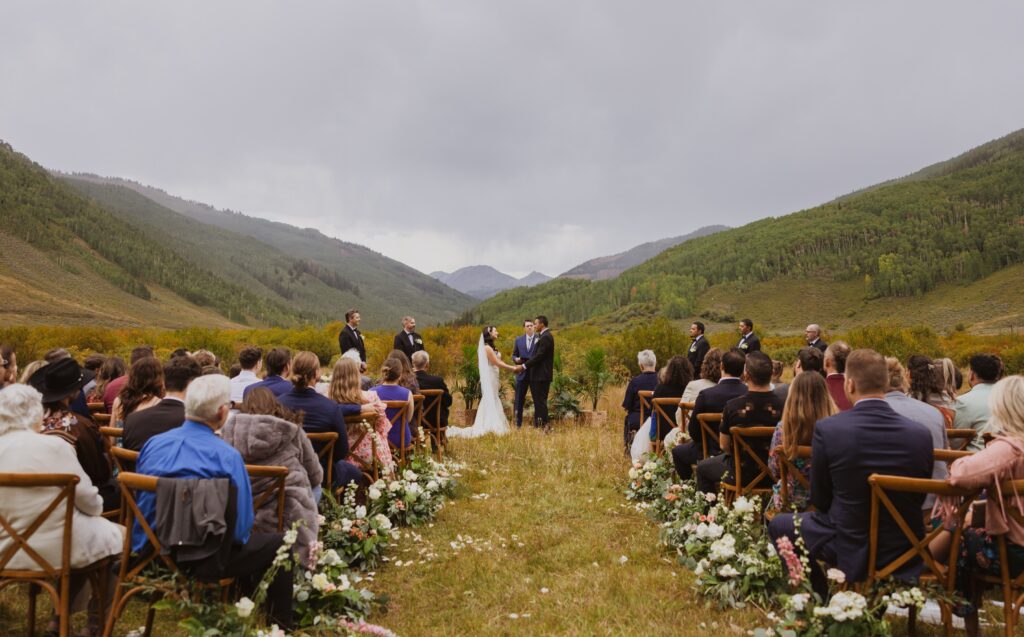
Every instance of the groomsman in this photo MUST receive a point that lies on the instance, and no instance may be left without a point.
(813, 336)
(408, 340)
(522, 350)
(749, 342)
(350, 338)
(698, 347)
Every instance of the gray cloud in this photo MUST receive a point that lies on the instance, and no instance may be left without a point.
(527, 135)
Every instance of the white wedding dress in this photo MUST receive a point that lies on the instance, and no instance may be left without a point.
(490, 416)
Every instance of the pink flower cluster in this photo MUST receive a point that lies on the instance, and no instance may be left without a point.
(791, 559)
(362, 628)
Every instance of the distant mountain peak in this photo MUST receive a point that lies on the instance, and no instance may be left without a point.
(484, 281)
(613, 265)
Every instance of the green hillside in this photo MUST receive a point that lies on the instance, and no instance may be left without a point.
(382, 288)
(948, 226)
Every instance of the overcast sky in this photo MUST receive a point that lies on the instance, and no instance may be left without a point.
(521, 134)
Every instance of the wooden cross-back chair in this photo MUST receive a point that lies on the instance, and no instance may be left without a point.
(430, 420)
(645, 404)
(327, 441)
(741, 448)
(42, 573)
(273, 476)
(359, 427)
(950, 455)
(131, 574)
(101, 420)
(112, 434)
(1011, 588)
(787, 469)
(417, 417)
(398, 415)
(124, 459)
(709, 432)
(683, 415)
(943, 574)
(96, 408)
(960, 438)
(661, 422)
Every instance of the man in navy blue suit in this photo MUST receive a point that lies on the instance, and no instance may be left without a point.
(846, 449)
(522, 350)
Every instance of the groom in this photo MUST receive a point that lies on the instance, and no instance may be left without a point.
(539, 367)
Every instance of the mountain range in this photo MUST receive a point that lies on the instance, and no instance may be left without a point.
(484, 281)
(612, 266)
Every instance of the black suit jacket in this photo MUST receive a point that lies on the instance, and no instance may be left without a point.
(698, 350)
(712, 401)
(402, 343)
(140, 426)
(752, 344)
(540, 366)
(820, 344)
(847, 448)
(430, 381)
(352, 339)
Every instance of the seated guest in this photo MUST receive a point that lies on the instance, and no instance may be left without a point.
(78, 404)
(278, 365)
(426, 380)
(181, 351)
(234, 371)
(1002, 459)
(710, 374)
(111, 369)
(92, 365)
(777, 369)
(167, 414)
(345, 389)
(710, 401)
(920, 412)
(949, 379)
(408, 377)
(835, 369)
(846, 449)
(8, 366)
(250, 361)
(972, 410)
(807, 402)
(206, 358)
(671, 384)
(365, 382)
(320, 413)
(22, 450)
(30, 370)
(925, 385)
(267, 433)
(759, 407)
(193, 450)
(390, 390)
(808, 359)
(144, 389)
(646, 381)
(115, 386)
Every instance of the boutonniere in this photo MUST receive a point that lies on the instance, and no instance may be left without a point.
(693, 348)
(744, 346)
(419, 341)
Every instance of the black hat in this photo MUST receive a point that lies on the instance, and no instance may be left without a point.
(58, 380)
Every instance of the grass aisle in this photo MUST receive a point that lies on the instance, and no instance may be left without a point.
(542, 552)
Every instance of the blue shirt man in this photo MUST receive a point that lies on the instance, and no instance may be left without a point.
(274, 383)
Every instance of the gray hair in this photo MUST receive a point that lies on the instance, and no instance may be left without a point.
(206, 395)
(21, 407)
(814, 327)
(420, 359)
(647, 358)
(353, 354)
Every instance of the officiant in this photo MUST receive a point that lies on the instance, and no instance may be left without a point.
(408, 340)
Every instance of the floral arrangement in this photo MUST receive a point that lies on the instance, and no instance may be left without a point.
(328, 592)
(414, 497)
(648, 481)
(679, 505)
(357, 537)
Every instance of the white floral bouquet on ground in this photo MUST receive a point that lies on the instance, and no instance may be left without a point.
(358, 536)
(648, 480)
(329, 593)
(415, 495)
(677, 509)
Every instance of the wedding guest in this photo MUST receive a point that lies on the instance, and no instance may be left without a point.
(194, 450)
(807, 402)
(115, 386)
(144, 389)
(112, 368)
(749, 342)
(951, 378)
(30, 371)
(78, 403)
(835, 373)
(426, 380)
(278, 365)
(408, 377)
(8, 366)
(346, 388)
(23, 450)
(972, 408)
(759, 407)
(365, 381)
(234, 371)
(846, 449)
(321, 414)
(181, 351)
(92, 365)
(351, 338)
(813, 335)
(206, 358)
(672, 383)
(710, 401)
(250, 361)
(777, 369)
(808, 359)
(925, 385)
(408, 341)
(710, 374)
(699, 346)
(269, 434)
(646, 381)
(390, 390)
(167, 414)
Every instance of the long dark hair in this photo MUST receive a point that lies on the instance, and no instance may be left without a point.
(145, 380)
(112, 368)
(678, 373)
(408, 377)
(925, 383)
(488, 338)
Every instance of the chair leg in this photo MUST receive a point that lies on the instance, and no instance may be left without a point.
(33, 591)
(149, 621)
(912, 621)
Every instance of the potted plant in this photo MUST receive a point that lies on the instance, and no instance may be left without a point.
(594, 378)
(564, 397)
(467, 382)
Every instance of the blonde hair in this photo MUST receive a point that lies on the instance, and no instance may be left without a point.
(346, 382)
(807, 402)
(305, 369)
(897, 375)
(31, 369)
(1006, 403)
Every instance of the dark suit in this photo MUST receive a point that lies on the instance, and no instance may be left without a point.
(846, 449)
(710, 401)
(429, 381)
(402, 343)
(351, 339)
(646, 381)
(323, 414)
(140, 426)
(820, 344)
(521, 352)
(540, 370)
(274, 383)
(749, 343)
(698, 350)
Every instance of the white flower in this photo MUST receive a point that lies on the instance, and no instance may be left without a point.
(707, 531)
(395, 486)
(633, 473)
(701, 565)
(413, 489)
(331, 558)
(650, 466)
(710, 497)
(648, 476)
(361, 511)
(722, 549)
(844, 606)
(290, 536)
(343, 582)
(302, 595)
(321, 520)
(410, 475)
(544, 591)
(374, 493)
(835, 575)
(432, 485)
(320, 581)
(728, 571)
(382, 521)
(743, 505)
(380, 484)
(244, 607)
(623, 559)
(799, 602)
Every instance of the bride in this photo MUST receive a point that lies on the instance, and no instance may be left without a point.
(490, 417)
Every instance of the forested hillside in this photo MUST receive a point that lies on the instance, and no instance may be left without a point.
(954, 223)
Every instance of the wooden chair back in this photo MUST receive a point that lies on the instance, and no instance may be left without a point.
(124, 459)
(683, 415)
(43, 572)
(661, 422)
(417, 417)
(709, 432)
(112, 434)
(359, 427)
(327, 440)
(398, 415)
(274, 478)
(96, 408)
(951, 455)
(742, 438)
(1012, 492)
(960, 438)
(645, 396)
(101, 420)
(430, 419)
(787, 470)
